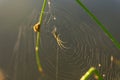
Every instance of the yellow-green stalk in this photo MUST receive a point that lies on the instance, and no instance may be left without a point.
(37, 29)
(91, 71)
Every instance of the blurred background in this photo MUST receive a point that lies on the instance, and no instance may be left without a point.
(86, 44)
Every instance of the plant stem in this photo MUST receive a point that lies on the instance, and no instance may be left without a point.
(117, 44)
(38, 39)
(42, 11)
(91, 71)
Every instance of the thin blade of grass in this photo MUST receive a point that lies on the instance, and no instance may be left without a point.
(117, 44)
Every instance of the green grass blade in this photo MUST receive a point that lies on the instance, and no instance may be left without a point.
(117, 44)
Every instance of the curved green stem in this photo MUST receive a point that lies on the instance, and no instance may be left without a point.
(117, 44)
(42, 11)
(90, 72)
(38, 39)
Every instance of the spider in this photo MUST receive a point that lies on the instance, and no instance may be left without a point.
(57, 37)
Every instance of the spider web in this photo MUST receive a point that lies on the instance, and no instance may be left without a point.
(87, 46)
